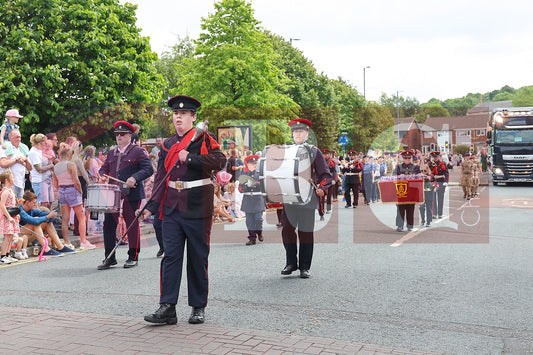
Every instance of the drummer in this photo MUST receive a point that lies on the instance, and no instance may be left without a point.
(303, 216)
(126, 166)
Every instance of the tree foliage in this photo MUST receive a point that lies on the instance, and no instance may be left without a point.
(234, 62)
(370, 122)
(74, 56)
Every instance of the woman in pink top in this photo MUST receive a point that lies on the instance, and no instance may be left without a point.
(69, 187)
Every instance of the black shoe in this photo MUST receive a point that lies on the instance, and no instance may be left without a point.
(130, 263)
(439, 217)
(250, 242)
(165, 314)
(304, 274)
(106, 264)
(422, 223)
(260, 237)
(289, 269)
(399, 229)
(347, 206)
(197, 315)
(160, 253)
(321, 218)
(428, 224)
(409, 228)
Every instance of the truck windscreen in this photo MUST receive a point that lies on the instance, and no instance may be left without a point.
(515, 136)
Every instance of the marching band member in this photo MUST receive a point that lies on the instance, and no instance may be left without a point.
(253, 202)
(352, 179)
(405, 212)
(129, 163)
(441, 175)
(185, 199)
(333, 171)
(303, 216)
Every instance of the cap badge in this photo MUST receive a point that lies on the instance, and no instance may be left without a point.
(181, 104)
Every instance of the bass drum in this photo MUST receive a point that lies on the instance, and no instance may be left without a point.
(285, 174)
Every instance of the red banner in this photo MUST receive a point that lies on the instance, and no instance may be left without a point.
(402, 191)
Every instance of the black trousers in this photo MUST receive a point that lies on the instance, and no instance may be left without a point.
(178, 231)
(110, 229)
(348, 197)
(303, 219)
(405, 212)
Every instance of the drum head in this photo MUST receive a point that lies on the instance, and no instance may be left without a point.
(285, 171)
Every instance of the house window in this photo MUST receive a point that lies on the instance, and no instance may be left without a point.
(428, 134)
(463, 133)
(480, 132)
(402, 134)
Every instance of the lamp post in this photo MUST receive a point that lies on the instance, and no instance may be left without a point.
(293, 39)
(364, 81)
(398, 113)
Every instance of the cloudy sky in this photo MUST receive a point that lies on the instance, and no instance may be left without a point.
(421, 48)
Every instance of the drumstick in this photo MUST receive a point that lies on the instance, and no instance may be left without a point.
(114, 178)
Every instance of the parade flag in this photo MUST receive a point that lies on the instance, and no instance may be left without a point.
(408, 189)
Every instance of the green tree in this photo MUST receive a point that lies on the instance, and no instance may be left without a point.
(524, 97)
(76, 56)
(370, 121)
(430, 110)
(172, 65)
(234, 63)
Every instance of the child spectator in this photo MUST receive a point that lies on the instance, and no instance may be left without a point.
(12, 118)
(8, 225)
(235, 197)
(220, 205)
(21, 241)
(253, 202)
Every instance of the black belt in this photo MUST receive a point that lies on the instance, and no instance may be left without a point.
(60, 186)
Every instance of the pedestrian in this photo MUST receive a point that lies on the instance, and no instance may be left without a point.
(66, 181)
(42, 169)
(9, 226)
(12, 118)
(302, 217)
(15, 157)
(184, 192)
(253, 202)
(130, 164)
(405, 212)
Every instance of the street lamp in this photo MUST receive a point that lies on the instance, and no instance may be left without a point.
(294, 39)
(364, 81)
(398, 113)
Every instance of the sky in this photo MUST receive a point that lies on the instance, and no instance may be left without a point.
(418, 48)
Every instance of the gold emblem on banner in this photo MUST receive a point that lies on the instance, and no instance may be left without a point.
(401, 189)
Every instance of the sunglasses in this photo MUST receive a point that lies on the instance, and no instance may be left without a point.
(122, 134)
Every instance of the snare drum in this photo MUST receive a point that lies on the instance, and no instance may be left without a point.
(103, 198)
(285, 174)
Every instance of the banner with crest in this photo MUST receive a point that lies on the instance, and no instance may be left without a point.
(407, 189)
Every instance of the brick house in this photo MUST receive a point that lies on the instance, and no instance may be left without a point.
(410, 133)
(449, 132)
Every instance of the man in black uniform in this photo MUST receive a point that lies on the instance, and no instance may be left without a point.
(129, 163)
(352, 179)
(406, 211)
(303, 216)
(441, 175)
(185, 198)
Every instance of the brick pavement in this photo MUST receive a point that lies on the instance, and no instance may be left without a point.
(39, 331)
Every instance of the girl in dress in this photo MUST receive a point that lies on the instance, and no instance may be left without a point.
(8, 225)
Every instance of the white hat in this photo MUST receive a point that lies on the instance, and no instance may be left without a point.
(13, 113)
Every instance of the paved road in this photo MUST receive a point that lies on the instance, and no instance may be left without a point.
(457, 287)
